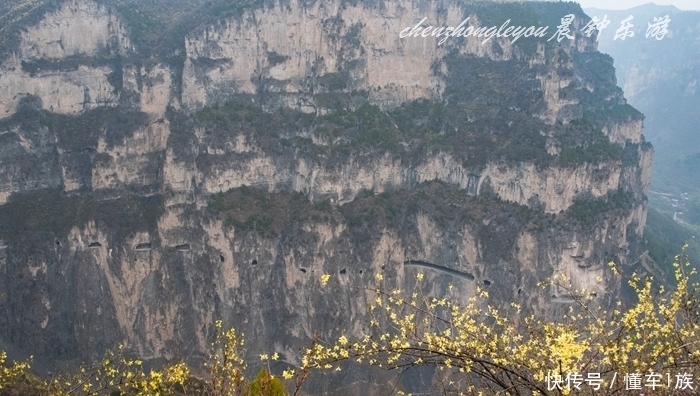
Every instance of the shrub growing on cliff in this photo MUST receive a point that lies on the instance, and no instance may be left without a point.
(479, 349)
(227, 369)
(117, 374)
(265, 384)
(10, 372)
(483, 350)
(587, 211)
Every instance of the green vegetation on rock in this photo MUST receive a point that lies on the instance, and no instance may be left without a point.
(588, 211)
(31, 222)
(253, 209)
(664, 238)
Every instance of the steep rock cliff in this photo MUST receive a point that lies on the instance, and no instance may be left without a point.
(293, 140)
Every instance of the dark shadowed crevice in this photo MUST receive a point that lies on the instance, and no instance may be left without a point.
(439, 268)
(143, 247)
(183, 248)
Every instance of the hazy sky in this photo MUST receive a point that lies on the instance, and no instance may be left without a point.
(625, 4)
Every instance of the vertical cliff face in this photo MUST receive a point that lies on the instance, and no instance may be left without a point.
(294, 52)
(295, 140)
(62, 60)
(660, 76)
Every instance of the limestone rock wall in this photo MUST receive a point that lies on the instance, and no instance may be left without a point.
(136, 254)
(297, 46)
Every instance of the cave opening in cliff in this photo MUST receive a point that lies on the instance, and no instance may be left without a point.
(143, 247)
(183, 248)
(427, 162)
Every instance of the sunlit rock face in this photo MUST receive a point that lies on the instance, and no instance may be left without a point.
(78, 37)
(145, 195)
